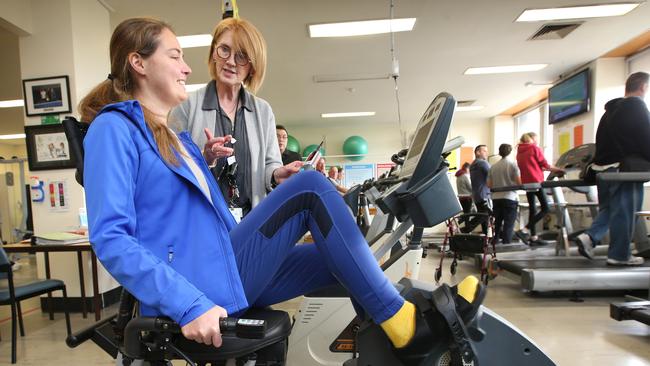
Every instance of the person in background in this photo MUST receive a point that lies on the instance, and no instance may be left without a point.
(478, 172)
(532, 164)
(226, 110)
(464, 190)
(333, 173)
(320, 166)
(288, 156)
(623, 132)
(504, 173)
(341, 176)
(171, 268)
(332, 176)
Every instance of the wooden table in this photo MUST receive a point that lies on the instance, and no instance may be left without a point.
(79, 249)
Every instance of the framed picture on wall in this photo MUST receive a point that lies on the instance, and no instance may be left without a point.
(46, 95)
(47, 148)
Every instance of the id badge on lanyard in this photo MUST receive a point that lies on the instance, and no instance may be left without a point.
(237, 213)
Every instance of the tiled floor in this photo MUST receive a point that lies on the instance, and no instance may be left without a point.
(571, 333)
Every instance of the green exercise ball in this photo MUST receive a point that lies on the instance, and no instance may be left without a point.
(310, 148)
(293, 144)
(355, 145)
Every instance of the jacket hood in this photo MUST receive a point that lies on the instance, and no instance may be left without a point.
(131, 109)
(613, 104)
(460, 172)
(521, 147)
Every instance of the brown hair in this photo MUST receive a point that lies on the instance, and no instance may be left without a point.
(139, 35)
(246, 39)
(635, 81)
(505, 150)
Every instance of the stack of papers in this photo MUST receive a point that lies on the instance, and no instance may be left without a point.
(60, 238)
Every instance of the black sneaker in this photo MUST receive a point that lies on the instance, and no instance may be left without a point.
(522, 235)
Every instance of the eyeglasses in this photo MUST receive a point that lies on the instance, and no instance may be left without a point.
(224, 53)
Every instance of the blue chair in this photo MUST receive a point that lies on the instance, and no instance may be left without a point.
(12, 295)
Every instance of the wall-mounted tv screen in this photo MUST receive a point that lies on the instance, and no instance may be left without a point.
(570, 97)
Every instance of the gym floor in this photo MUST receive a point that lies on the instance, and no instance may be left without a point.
(570, 333)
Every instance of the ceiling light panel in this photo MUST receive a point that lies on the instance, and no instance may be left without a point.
(347, 114)
(197, 40)
(577, 12)
(12, 137)
(504, 69)
(361, 28)
(12, 103)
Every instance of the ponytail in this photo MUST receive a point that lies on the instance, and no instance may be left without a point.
(132, 35)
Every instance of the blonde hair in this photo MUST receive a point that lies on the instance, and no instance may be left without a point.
(246, 39)
(526, 138)
(139, 35)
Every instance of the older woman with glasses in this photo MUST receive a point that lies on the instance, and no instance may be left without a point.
(236, 128)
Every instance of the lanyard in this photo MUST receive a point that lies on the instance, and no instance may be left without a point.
(229, 169)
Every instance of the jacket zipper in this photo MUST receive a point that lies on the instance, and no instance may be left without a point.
(170, 253)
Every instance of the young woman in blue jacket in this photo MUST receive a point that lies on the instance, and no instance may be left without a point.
(160, 225)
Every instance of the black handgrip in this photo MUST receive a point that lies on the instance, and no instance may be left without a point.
(73, 340)
(133, 347)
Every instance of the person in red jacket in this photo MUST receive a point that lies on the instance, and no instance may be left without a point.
(532, 165)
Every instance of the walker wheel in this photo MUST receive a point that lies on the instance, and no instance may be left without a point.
(454, 264)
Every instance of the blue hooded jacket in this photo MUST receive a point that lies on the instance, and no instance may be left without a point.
(151, 226)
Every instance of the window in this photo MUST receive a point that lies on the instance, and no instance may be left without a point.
(535, 119)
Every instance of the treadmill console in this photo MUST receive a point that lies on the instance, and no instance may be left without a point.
(575, 159)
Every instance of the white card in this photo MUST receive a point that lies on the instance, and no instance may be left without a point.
(231, 160)
(237, 213)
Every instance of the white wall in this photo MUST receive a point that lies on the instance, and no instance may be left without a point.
(91, 34)
(16, 16)
(60, 46)
(502, 130)
(476, 131)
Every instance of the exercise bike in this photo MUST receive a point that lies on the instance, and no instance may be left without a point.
(262, 340)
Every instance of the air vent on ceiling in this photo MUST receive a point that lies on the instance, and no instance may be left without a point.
(465, 103)
(554, 31)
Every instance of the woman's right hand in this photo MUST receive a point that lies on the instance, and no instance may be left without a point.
(214, 148)
(205, 328)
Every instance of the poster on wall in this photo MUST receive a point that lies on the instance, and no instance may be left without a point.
(358, 173)
(382, 168)
(578, 135)
(57, 193)
(564, 139)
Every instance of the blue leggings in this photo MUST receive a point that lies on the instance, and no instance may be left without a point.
(274, 269)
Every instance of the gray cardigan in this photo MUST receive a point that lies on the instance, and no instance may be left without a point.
(260, 126)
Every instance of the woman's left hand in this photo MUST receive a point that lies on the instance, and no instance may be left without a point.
(284, 172)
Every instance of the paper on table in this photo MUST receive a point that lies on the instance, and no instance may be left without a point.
(60, 238)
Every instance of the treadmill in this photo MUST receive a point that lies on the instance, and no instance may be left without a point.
(573, 273)
(573, 160)
(633, 308)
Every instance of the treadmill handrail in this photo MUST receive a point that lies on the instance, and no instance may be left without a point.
(565, 183)
(639, 177)
(520, 187)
